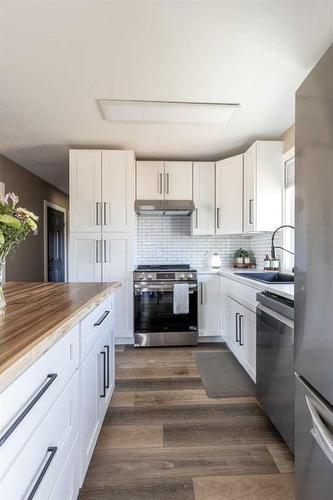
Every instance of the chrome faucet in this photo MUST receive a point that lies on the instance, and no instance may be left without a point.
(273, 247)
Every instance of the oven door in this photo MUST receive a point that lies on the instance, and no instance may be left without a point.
(153, 309)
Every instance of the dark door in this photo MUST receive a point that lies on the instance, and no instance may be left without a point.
(55, 245)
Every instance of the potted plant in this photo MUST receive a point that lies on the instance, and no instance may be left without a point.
(240, 255)
(15, 225)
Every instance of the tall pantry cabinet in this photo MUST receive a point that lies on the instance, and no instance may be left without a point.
(102, 225)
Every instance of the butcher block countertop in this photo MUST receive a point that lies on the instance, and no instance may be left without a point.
(37, 315)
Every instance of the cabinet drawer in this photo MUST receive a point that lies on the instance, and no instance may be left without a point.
(93, 325)
(37, 467)
(243, 294)
(27, 400)
(67, 484)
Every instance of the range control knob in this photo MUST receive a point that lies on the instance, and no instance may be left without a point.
(181, 276)
(149, 276)
(190, 276)
(142, 276)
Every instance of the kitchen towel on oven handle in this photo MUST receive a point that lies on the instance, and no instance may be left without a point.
(181, 298)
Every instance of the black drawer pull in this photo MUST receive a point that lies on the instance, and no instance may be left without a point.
(102, 318)
(52, 450)
(103, 355)
(236, 320)
(240, 329)
(50, 379)
(107, 385)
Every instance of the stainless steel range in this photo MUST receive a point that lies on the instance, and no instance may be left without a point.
(165, 305)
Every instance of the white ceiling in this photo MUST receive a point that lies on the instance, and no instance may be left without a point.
(58, 57)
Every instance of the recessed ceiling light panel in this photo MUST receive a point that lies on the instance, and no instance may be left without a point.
(166, 111)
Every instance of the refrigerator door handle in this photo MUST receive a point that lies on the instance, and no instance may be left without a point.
(319, 431)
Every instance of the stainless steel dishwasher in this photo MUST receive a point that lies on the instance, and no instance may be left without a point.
(275, 362)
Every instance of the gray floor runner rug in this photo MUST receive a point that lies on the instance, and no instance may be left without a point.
(223, 376)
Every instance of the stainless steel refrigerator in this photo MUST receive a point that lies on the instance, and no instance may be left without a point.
(314, 284)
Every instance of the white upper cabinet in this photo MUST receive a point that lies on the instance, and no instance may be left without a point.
(178, 180)
(102, 190)
(229, 195)
(118, 190)
(263, 186)
(150, 180)
(158, 180)
(85, 168)
(203, 217)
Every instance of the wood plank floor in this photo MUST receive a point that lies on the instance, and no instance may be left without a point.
(163, 438)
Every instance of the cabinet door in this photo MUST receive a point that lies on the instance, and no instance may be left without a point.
(85, 257)
(108, 378)
(203, 217)
(249, 189)
(118, 266)
(150, 180)
(233, 334)
(91, 391)
(248, 340)
(85, 190)
(209, 307)
(118, 190)
(229, 195)
(178, 180)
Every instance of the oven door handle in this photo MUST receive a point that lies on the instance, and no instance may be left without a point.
(163, 288)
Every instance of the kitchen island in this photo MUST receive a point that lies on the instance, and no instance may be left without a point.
(56, 382)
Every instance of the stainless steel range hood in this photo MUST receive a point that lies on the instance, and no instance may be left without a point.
(164, 207)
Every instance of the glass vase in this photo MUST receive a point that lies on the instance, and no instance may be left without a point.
(2, 295)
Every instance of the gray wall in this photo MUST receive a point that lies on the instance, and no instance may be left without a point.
(27, 263)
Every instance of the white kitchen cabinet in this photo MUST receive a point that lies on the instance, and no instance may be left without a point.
(150, 180)
(90, 405)
(85, 180)
(178, 180)
(102, 190)
(158, 180)
(118, 249)
(209, 305)
(96, 387)
(229, 195)
(118, 191)
(85, 257)
(203, 217)
(242, 335)
(263, 186)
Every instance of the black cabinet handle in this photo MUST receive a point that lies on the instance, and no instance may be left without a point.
(107, 385)
(236, 319)
(102, 318)
(103, 356)
(52, 450)
(49, 380)
(240, 329)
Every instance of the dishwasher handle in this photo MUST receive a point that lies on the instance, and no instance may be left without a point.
(280, 305)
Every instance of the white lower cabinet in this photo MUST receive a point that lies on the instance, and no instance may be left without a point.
(52, 414)
(41, 460)
(239, 322)
(96, 387)
(209, 305)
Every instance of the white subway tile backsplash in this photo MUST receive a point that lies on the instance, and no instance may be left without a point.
(168, 240)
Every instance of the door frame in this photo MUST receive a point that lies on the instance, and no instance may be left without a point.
(48, 204)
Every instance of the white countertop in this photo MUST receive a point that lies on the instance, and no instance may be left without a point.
(284, 290)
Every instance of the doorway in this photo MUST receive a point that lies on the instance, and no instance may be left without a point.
(55, 247)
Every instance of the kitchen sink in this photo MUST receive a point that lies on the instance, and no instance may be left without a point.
(269, 277)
